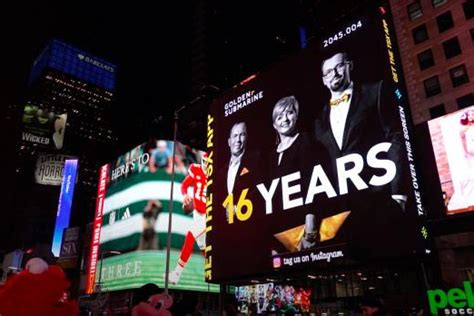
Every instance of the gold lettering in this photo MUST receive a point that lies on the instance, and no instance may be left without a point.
(208, 263)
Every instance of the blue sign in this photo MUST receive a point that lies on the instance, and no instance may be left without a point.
(65, 203)
(70, 60)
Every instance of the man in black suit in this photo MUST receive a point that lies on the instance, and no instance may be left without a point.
(239, 170)
(242, 173)
(355, 120)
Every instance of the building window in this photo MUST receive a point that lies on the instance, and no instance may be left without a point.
(465, 101)
(468, 7)
(445, 21)
(425, 59)
(437, 3)
(451, 48)
(458, 75)
(437, 111)
(420, 34)
(414, 10)
(432, 86)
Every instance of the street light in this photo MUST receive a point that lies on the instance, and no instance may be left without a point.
(173, 172)
(99, 284)
(170, 204)
(102, 254)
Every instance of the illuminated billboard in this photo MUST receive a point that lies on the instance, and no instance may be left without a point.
(65, 203)
(131, 222)
(49, 168)
(272, 298)
(311, 163)
(452, 137)
(42, 127)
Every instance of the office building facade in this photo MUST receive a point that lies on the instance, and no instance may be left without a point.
(66, 113)
(436, 42)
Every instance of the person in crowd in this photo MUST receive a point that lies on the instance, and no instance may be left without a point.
(372, 306)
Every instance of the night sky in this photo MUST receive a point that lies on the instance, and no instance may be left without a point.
(149, 44)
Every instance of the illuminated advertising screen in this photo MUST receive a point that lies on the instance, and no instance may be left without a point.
(42, 127)
(452, 137)
(132, 214)
(49, 168)
(311, 162)
(272, 298)
(65, 203)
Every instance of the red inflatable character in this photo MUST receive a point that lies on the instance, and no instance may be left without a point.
(157, 305)
(38, 290)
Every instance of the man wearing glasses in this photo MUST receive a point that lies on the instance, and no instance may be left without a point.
(357, 117)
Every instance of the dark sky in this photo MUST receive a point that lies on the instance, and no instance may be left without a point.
(149, 43)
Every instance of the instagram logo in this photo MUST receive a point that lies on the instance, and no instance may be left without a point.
(276, 262)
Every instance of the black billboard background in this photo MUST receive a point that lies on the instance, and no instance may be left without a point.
(243, 249)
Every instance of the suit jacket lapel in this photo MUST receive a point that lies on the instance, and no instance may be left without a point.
(330, 140)
(354, 108)
(241, 166)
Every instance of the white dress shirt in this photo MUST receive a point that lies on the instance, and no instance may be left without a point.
(234, 165)
(338, 116)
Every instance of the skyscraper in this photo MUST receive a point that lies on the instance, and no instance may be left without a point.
(436, 46)
(66, 113)
(436, 38)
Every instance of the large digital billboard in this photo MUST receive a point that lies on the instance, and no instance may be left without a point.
(311, 162)
(131, 221)
(452, 137)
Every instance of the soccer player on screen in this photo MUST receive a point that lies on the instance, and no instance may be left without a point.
(197, 204)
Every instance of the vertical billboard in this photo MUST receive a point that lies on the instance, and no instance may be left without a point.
(130, 228)
(311, 162)
(65, 203)
(42, 127)
(452, 137)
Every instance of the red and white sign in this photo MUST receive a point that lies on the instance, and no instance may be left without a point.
(95, 241)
